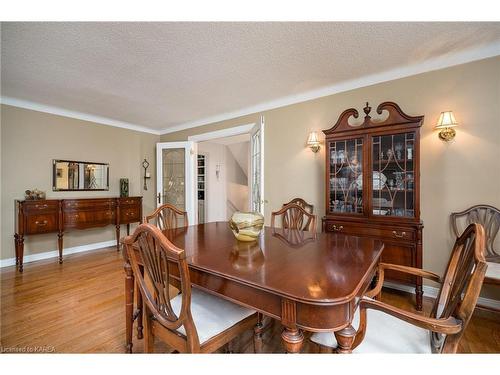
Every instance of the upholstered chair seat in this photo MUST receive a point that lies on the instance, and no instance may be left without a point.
(384, 334)
(493, 270)
(211, 314)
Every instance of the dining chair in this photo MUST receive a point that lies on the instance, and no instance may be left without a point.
(384, 328)
(302, 203)
(489, 218)
(294, 216)
(164, 217)
(168, 216)
(192, 321)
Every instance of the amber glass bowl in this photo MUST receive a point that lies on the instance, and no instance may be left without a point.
(246, 226)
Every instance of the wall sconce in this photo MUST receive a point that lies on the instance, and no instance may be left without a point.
(445, 124)
(217, 171)
(145, 165)
(313, 142)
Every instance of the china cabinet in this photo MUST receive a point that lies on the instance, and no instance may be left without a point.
(372, 184)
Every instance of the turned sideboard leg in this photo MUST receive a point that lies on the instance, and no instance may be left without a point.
(129, 305)
(16, 246)
(20, 239)
(345, 339)
(117, 227)
(293, 338)
(60, 245)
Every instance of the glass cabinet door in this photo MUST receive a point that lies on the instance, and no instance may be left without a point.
(346, 179)
(393, 175)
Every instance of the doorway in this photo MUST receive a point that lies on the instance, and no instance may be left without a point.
(213, 184)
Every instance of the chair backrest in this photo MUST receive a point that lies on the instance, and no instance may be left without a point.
(160, 259)
(461, 285)
(294, 216)
(488, 217)
(302, 203)
(168, 217)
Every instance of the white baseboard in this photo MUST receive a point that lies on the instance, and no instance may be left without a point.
(431, 291)
(55, 253)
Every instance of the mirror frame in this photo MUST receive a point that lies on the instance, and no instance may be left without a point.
(54, 174)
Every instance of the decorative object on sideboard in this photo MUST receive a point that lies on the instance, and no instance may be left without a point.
(246, 226)
(145, 165)
(445, 125)
(35, 194)
(313, 142)
(123, 187)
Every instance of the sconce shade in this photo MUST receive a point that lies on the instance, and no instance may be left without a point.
(313, 141)
(446, 120)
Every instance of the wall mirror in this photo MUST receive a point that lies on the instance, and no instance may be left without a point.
(73, 175)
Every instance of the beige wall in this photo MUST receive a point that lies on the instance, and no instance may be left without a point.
(31, 139)
(454, 175)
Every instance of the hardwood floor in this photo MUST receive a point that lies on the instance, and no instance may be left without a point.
(78, 307)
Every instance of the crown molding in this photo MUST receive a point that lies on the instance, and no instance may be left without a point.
(442, 62)
(75, 114)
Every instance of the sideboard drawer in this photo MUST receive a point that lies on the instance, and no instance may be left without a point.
(135, 201)
(88, 204)
(88, 219)
(393, 233)
(38, 207)
(42, 223)
(130, 215)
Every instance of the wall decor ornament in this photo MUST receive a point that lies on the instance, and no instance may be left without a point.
(145, 165)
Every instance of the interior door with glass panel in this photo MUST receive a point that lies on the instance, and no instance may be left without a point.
(257, 167)
(175, 176)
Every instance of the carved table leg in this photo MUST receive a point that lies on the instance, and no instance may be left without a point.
(60, 245)
(128, 229)
(129, 305)
(345, 339)
(292, 339)
(257, 334)
(117, 237)
(20, 240)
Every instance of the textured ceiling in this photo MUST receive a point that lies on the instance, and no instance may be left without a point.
(162, 75)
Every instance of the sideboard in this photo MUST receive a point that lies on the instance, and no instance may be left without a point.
(60, 215)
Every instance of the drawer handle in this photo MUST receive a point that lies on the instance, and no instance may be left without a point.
(397, 235)
(41, 223)
(337, 228)
(41, 206)
(76, 216)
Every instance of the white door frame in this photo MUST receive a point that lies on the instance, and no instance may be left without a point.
(190, 175)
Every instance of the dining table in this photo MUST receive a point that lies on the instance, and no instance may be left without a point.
(308, 281)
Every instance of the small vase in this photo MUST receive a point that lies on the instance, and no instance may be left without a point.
(246, 226)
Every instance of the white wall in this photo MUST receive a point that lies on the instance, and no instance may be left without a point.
(236, 178)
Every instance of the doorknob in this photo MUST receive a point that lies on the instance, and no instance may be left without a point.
(159, 197)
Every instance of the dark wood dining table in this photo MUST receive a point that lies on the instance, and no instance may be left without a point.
(308, 281)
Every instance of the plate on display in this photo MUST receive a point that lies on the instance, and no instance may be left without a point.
(379, 180)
